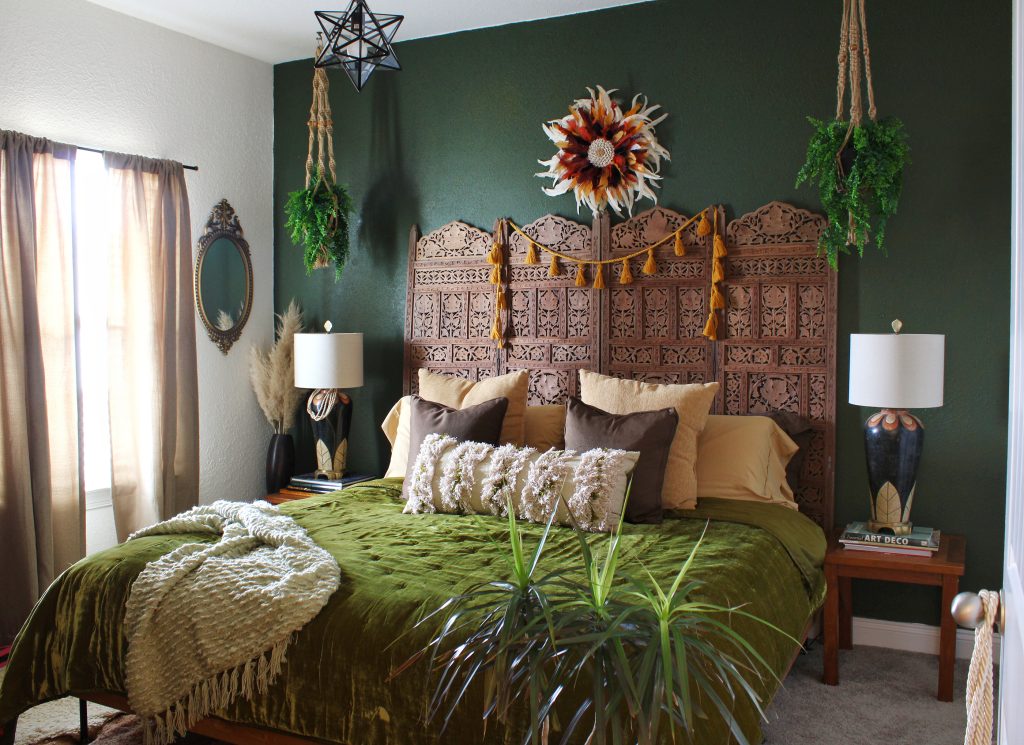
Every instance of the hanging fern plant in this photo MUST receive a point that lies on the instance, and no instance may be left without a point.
(318, 220)
(857, 165)
(859, 175)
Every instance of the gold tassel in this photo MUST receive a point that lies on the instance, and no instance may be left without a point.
(531, 254)
(598, 277)
(494, 255)
(496, 329)
(711, 327)
(581, 277)
(718, 273)
(502, 305)
(650, 266)
(625, 276)
(717, 298)
(704, 226)
(680, 248)
(554, 270)
(496, 275)
(719, 247)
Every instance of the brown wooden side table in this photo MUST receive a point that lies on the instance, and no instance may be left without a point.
(943, 569)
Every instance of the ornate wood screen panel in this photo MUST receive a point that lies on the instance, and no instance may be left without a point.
(779, 347)
(652, 326)
(778, 332)
(553, 325)
(450, 305)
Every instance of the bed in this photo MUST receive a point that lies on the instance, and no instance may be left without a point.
(777, 354)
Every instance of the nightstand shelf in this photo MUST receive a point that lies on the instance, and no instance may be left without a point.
(842, 565)
(290, 494)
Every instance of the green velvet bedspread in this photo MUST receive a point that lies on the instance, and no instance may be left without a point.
(393, 567)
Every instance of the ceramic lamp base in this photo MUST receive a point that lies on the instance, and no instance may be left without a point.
(331, 436)
(893, 441)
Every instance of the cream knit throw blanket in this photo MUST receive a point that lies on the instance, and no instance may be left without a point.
(210, 621)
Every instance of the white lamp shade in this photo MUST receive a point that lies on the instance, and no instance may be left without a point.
(897, 371)
(328, 360)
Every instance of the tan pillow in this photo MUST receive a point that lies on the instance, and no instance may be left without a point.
(691, 402)
(744, 457)
(458, 393)
(545, 427)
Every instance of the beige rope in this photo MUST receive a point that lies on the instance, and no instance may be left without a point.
(979, 677)
(843, 56)
(855, 103)
(320, 123)
(872, 111)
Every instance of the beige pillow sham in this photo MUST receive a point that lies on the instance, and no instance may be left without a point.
(459, 393)
(744, 458)
(691, 402)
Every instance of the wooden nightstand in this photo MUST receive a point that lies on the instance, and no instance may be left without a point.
(290, 494)
(943, 569)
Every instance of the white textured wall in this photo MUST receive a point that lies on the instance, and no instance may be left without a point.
(75, 72)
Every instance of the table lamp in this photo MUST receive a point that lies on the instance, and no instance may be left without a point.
(895, 372)
(327, 363)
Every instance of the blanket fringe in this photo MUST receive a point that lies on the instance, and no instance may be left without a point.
(215, 694)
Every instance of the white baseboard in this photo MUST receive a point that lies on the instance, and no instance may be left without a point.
(913, 637)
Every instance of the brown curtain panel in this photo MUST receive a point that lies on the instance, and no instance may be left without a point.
(42, 498)
(154, 403)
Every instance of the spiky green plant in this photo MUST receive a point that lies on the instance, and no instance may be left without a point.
(641, 662)
(318, 221)
(860, 199)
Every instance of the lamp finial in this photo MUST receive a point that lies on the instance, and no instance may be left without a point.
(896, 326)
(328, 326)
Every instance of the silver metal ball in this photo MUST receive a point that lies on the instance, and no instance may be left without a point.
(968, 610)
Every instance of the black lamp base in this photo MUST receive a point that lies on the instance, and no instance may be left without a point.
(331, 436)
(893, 441)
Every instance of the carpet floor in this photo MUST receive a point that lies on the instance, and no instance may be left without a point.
(883, 696)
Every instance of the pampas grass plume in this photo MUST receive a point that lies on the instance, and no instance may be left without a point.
(272, 372)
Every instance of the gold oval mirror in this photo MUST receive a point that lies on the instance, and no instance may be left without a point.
(223, 277)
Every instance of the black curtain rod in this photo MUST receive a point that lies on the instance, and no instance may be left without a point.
(94, 150)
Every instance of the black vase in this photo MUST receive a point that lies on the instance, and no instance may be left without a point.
(280, 462)
(893, 441)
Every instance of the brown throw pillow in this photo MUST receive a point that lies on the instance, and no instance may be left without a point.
(649, 432)
(480, 423)
(801, 431)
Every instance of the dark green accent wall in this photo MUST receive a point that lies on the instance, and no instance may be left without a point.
(457, 134)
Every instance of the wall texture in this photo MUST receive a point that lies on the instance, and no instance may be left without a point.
(457, 134)
(78, 73)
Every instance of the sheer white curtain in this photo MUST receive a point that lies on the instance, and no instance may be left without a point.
(41, 493)
(154, 411)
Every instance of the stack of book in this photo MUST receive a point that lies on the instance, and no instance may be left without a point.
(308, 484)
(919, 542)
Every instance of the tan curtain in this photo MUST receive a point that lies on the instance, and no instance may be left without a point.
(41, 492)
(154, 405)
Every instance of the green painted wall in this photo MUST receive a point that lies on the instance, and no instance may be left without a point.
(457, 134)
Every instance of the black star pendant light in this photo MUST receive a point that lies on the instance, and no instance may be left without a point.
(358, 41)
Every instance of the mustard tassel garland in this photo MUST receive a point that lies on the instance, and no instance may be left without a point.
(554, 270)
(496, 275)
(581, 277)
(598, 277)
(718, 273)
(494, 255)
(501, 303)
(717, 298)
(650, 266)
(531, 254)
(679, 247)
(719, 247)
(711, 327)
(625, 276)
(704, 226)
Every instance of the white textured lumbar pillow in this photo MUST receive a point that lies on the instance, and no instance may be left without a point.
(586, 490)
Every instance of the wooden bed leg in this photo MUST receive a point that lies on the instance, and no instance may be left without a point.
(7, 731)
(83, 721)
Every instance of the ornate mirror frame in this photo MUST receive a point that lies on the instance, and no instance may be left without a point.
(223, 223)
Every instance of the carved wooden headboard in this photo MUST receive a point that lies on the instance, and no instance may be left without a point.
(777, 350)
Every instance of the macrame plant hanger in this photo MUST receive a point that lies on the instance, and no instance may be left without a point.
(321, 129)
(853, 49)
